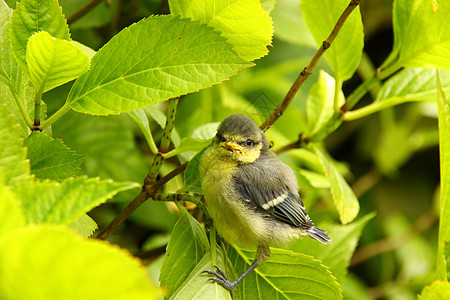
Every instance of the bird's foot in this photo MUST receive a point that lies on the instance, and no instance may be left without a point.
(221, 279)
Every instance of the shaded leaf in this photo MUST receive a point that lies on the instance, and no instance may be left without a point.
(53, 62)
(320, 103)
(345, 52)
(337, 254)
(158, 58)
(16, 170)
(31, 16)
(196, 286)
(245, 24)
(50, 158)
(186, 248)
(55, 263)
(288, 15)
(63, 203)
(111, 151)
(286, 275)
(345, 200)
(192, 175)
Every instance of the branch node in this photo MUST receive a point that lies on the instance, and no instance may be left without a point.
(326, 45)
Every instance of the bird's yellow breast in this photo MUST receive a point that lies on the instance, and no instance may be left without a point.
(234, 221)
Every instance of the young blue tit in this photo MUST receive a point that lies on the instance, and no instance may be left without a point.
(251, 194)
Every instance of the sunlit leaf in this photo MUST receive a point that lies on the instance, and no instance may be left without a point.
(53, 62)
(444, 152)
(286, 275)
(16, 170)
(63, 203)
(158, 58)
(320, 103)
(55, 263)
(436, 291)
(245, 24)
(50, 158)
(421, 36)
(31, 16)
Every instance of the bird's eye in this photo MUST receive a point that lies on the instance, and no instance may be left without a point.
(249, 142)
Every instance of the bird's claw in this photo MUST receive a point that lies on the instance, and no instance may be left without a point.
(221, 279)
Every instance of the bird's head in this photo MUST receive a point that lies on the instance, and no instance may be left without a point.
(239, 138)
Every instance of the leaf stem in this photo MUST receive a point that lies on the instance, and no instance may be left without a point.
(21, 105)
(279, 110)
(165, 143)
(58, 114)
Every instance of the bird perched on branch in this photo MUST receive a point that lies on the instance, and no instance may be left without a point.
(251, 194)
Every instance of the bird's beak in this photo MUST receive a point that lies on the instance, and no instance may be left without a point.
(232, 146)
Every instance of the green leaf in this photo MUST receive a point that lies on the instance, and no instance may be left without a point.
(53, 62)
(14, 83)
(84, 225)
(186, 248)
(345, 52)
(111, 148)
(286, 275)
(320, 103)
(192, 181)
(55, 263)
(421, 37)
(63, 203)
(245, 24)
(345, 200)
(444, 153)
(406, 86)
(50, 158)
(447, 258)
(8, 66)
(196, 286)
(436, 291)
(158, 58)
(11, 214)
(31, 16)
(286, 16)
(337, 254)
(13, 162)
(190, 144)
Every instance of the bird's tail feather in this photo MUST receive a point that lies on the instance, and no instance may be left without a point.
(318, 234)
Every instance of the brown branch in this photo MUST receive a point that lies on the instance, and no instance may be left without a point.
(82, 11)
(392, 243)
(141, 198)
(278, 112)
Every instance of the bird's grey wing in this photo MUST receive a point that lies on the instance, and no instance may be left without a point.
(267, 190)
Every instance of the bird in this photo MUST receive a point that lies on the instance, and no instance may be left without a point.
(251, 195)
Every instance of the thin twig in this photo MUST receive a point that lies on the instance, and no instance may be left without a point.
(137, 201)
(82, 11)
(278, 112)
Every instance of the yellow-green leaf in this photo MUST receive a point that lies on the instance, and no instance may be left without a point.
(245, 24)
(53, 62)
(52, 262)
